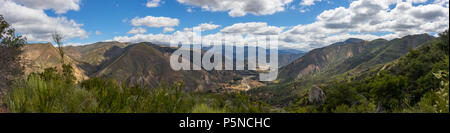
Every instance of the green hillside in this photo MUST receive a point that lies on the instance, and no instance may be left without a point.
(415, 82)
(344, 61)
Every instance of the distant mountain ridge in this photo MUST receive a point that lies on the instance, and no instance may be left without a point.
(351, 54)
(285, 56)
(350, 41)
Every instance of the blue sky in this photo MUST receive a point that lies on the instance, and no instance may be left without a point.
(301, 24)
(108, 17)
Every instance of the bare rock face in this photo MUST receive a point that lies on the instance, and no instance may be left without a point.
(316, 95)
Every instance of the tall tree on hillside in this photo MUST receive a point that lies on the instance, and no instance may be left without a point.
(67, 69)
(10, 50)
(57, 38)
(444, 37)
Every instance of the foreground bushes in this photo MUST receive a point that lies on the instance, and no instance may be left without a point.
(47, 93)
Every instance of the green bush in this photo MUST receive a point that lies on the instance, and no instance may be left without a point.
(388, 91)
(49, 92)
(435, 101)
(37, 95)
(203, 108)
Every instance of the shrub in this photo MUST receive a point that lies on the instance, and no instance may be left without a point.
(47, 92)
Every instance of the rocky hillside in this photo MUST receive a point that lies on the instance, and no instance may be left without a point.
(144, 64)
(338, 62)
(96, 56)
(351, 54)
(39, 56)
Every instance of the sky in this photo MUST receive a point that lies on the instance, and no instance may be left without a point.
(299, 24)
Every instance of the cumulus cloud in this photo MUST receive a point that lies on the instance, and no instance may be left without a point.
(185, 36)
(364, 19)
(203, 27)
(167, 29)
(138, 30)
(207, 26)
(442, 2)
(76, 44)
(309, 2)
(239, 8)
(153, 3)
(256, 28)
(155, 22)
(36, 25)
(181, 36)
(59, 6)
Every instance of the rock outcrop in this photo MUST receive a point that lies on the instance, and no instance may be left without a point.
(316, 95)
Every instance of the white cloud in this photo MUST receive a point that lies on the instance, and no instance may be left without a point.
(59, 6)
(239, 8)
(309, 2)
(153, 3)
(98, 32)
(76, 44)
(208, 26)
(167, 29)
(36, 25)
(203, 27)
(416, 1)
(184, 37)
(137, 31)
(363, 19)
(257, 28)
(155, 22)
(442, 2)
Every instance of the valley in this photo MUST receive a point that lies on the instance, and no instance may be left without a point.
(146, 64)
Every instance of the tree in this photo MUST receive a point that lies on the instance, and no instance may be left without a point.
(67, 69)
(444, 38)
(388, 90)
(10, 50)
(57, 38)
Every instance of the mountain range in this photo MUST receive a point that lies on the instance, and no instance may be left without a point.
(339, 62)
(351, 54)
(143, 64)
(148, 64)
